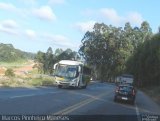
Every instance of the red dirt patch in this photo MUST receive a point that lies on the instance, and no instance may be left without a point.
(23, 70)
(20, 71)
(2, 70)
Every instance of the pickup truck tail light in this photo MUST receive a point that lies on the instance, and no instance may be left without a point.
(133, 92)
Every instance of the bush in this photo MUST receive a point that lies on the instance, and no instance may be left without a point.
(41, 81)
(9, 73)
(47, 82)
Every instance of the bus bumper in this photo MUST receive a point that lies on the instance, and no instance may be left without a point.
(66, 84)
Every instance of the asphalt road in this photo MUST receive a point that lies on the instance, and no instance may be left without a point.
(95, 101)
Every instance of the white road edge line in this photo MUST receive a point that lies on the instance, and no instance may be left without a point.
(20, 96)
(137, 112)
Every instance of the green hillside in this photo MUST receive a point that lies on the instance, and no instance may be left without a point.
(9, 54)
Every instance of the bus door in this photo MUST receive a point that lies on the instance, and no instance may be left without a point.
(80, 70)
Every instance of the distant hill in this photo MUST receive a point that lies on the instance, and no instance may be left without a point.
(9, 54)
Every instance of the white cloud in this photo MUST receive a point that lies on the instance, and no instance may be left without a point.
(59, 40)
(55, 2)
(111, 15)
(134, 18)
(85, 26)
(9, 27)
(44, 13)
(7, 6)
(9, 24)
(30, 33)
(29, 2)
(88, 12)
(56, 38)
(21, 12)
(9, 31)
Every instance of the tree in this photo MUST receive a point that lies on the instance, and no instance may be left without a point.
(58, 51)
(9, 73)
(40, 60)
(45, 61)
(68, 54)
(107, 48)
(159, 29)
(146, 31)
(49, 61)
(145, 62)
(100, 48)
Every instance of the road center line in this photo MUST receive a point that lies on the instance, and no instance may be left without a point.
(87, 95)
(79, 105)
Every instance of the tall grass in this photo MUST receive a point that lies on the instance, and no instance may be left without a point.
(42, 81)
(27, 81)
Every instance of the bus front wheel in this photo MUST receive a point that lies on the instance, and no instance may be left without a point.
(59, 86)
(84, 87)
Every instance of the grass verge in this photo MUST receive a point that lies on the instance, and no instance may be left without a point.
(26, 82)
(42, 81)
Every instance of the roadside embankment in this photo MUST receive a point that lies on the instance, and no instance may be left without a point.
(153, 92)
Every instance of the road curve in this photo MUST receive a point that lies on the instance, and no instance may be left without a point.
(96, 101)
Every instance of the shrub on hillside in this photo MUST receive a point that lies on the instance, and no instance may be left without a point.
(9, 73)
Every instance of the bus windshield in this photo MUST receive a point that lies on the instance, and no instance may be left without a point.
(67, 71)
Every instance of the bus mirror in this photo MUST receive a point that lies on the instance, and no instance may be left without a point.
(79, 69)
(55, 65)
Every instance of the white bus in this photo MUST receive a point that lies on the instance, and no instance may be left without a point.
(70, 73)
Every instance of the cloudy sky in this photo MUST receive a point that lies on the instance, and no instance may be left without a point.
(33, 25)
